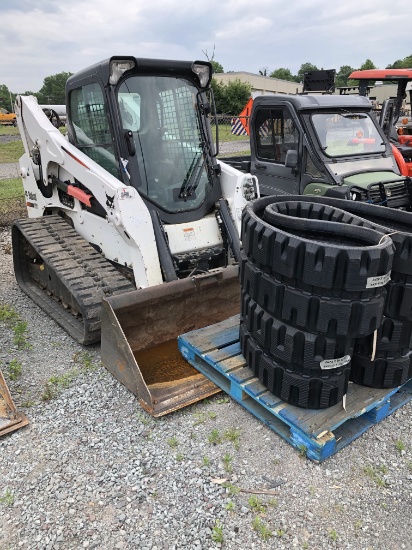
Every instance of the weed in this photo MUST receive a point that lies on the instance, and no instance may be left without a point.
(302, 449)
(305, 545)
(8, 498)
(200, 418)
(280, 532)
(87, 360)
(205, 461)
(214, 437)
(55, 383)
(227, 463)
(173, 442)
(217, 532)
(230, 506)
(222, 400)
(143, 418)
(261, 528)
(273, 502)
(8, 315)
(28, 404)
(212, 415)
(233, 435)
(179, 457)
(400, 445)
(333, 535)
(19, 338)
(384, 505)
(231, 489)
(15, 369)
(206, 401)
(256, 504)
(358, 525)
(373, 473)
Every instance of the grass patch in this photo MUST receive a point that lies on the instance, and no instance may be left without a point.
(15, 369)
(8, 498)
(256, 505)
(374, 473)
(233, 435)
(11, 189)
(9, 130)
(11, 151)
(11, 319)
(173, 442)
(261, 528)
(214, 437)
(217, 532)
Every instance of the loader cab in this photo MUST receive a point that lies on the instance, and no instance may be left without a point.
(147, 123)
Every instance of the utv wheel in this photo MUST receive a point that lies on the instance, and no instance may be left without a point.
(317, 392)
(316, 252)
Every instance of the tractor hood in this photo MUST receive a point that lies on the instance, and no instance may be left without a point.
(366, 178)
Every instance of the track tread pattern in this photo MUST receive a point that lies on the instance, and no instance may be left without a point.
(81, 270)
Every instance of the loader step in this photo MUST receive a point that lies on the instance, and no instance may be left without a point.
(64, 274)
(215, 352)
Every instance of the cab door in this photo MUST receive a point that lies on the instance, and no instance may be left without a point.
(275, 133)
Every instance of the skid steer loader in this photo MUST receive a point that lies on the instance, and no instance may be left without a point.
(133, 229)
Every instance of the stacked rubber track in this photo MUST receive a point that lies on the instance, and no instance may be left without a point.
(64, 274)
(315, 280)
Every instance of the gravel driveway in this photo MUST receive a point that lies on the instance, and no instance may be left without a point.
(93, 470)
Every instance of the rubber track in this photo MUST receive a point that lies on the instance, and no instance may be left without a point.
(76, 273)
(317, 392)
(397, 223)
(388, 372)
(300, 351)
(322, 264)
(398, 303)
(393, 337)
(353, 318)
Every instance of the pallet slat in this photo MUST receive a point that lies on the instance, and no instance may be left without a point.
(215, 352)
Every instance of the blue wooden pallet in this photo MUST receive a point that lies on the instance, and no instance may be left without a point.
(215, 352)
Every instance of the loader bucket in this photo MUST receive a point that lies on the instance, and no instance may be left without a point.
(140, 330)
(10, 419)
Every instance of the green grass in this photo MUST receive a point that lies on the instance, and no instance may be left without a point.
(11, 151)
(11, 189)
(15, 369)
(226, 135)
(261, 528)
(9, 130)
(8, 498)
(173, 442)
(217, 532)
(10, 317)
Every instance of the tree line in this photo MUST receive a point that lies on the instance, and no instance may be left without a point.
(230, 98)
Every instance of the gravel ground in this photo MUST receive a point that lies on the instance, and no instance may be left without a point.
(93, 470)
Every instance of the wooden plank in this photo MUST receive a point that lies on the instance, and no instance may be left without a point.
(320, 433)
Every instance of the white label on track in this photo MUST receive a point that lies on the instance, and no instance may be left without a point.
(382, 280)
(335, 363)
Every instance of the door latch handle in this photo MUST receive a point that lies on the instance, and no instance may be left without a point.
(261, 166)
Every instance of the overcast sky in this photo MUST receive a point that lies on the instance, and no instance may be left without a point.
(44, 37)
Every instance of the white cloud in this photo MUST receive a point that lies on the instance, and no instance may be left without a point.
(51, 37)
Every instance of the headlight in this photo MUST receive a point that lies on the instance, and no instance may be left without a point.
(203, 73)
(118, 67)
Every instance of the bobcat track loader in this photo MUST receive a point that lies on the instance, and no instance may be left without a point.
(133, 228)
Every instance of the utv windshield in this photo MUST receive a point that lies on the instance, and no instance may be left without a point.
(168, 159)
(347, 134)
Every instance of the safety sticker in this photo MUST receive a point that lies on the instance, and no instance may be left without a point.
(125, 193)
(381, 280)
(189, 234)
(335, 363)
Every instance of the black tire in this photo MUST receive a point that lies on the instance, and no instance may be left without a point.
(393, 337)
(389, 372)
(318, 253)
(353, 318)
(300, 351)
(318, 392)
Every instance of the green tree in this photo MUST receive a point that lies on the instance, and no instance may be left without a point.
(53, 89)
(305, 68)
(5, 99)
(367, 65)
(283, 74)
(230, 98)
(405, 63)
(216, 66)
(342, 76)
